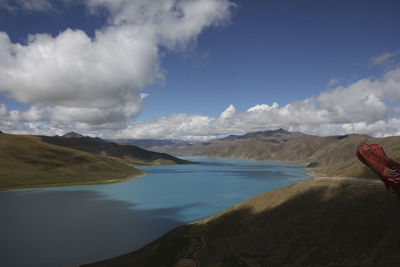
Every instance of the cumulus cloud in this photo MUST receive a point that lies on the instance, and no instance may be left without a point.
(177, 126)
(95, 85)
(229, 112)
(173, 23)
(263, 107)
(97, 82)
(369, 106)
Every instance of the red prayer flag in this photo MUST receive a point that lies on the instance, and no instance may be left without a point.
(386, 168)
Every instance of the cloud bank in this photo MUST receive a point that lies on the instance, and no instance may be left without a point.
(369, 106)
(96, 83)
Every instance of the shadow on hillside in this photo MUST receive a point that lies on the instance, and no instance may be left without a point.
(346, 224)
(328, 223)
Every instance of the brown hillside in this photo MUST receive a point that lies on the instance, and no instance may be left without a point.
(38, 161)
(26, 161)
(330, 156)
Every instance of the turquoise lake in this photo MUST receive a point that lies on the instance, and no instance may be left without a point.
(69, 226)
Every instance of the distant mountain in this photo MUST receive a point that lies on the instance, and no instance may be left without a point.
(132, 154)
(332, 155)
(148, 143)
(38, 161)
(277, 132)
(72, 135)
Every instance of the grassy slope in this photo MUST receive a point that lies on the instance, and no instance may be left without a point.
(330, 156)
(339, 157)
(26, 161)
(317, 222)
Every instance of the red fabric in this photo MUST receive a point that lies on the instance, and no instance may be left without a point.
(386, 168)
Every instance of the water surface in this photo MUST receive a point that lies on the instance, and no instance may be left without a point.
(69, 226)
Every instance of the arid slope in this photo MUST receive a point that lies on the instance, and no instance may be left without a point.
(29, 161)
(328, 156)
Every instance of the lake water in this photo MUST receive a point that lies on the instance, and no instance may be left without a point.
(69, 226)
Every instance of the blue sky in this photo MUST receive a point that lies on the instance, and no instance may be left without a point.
(277, 51)
(216, 68)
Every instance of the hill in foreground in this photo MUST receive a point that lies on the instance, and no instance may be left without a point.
(37, 161)
(317, 222)
(327, 156)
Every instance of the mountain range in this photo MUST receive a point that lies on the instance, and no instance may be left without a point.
(326, 156)
(149, 143)
(98, 146)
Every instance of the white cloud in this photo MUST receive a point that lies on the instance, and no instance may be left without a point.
(361, 101)
(369, 106)
(333, 82)
(383, 58)
(177, 126)
(34, 5)
(361, 107)
(381, 128)
(97, 82)
(263, 107)
(95, 85)
(73, 72)
(3, 110)
(390, 85)
(173, 23)
(396, 111)
(228, 112)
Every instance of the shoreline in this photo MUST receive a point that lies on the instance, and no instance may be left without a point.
(100, 182)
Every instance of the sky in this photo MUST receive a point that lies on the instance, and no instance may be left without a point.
(199, 69)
